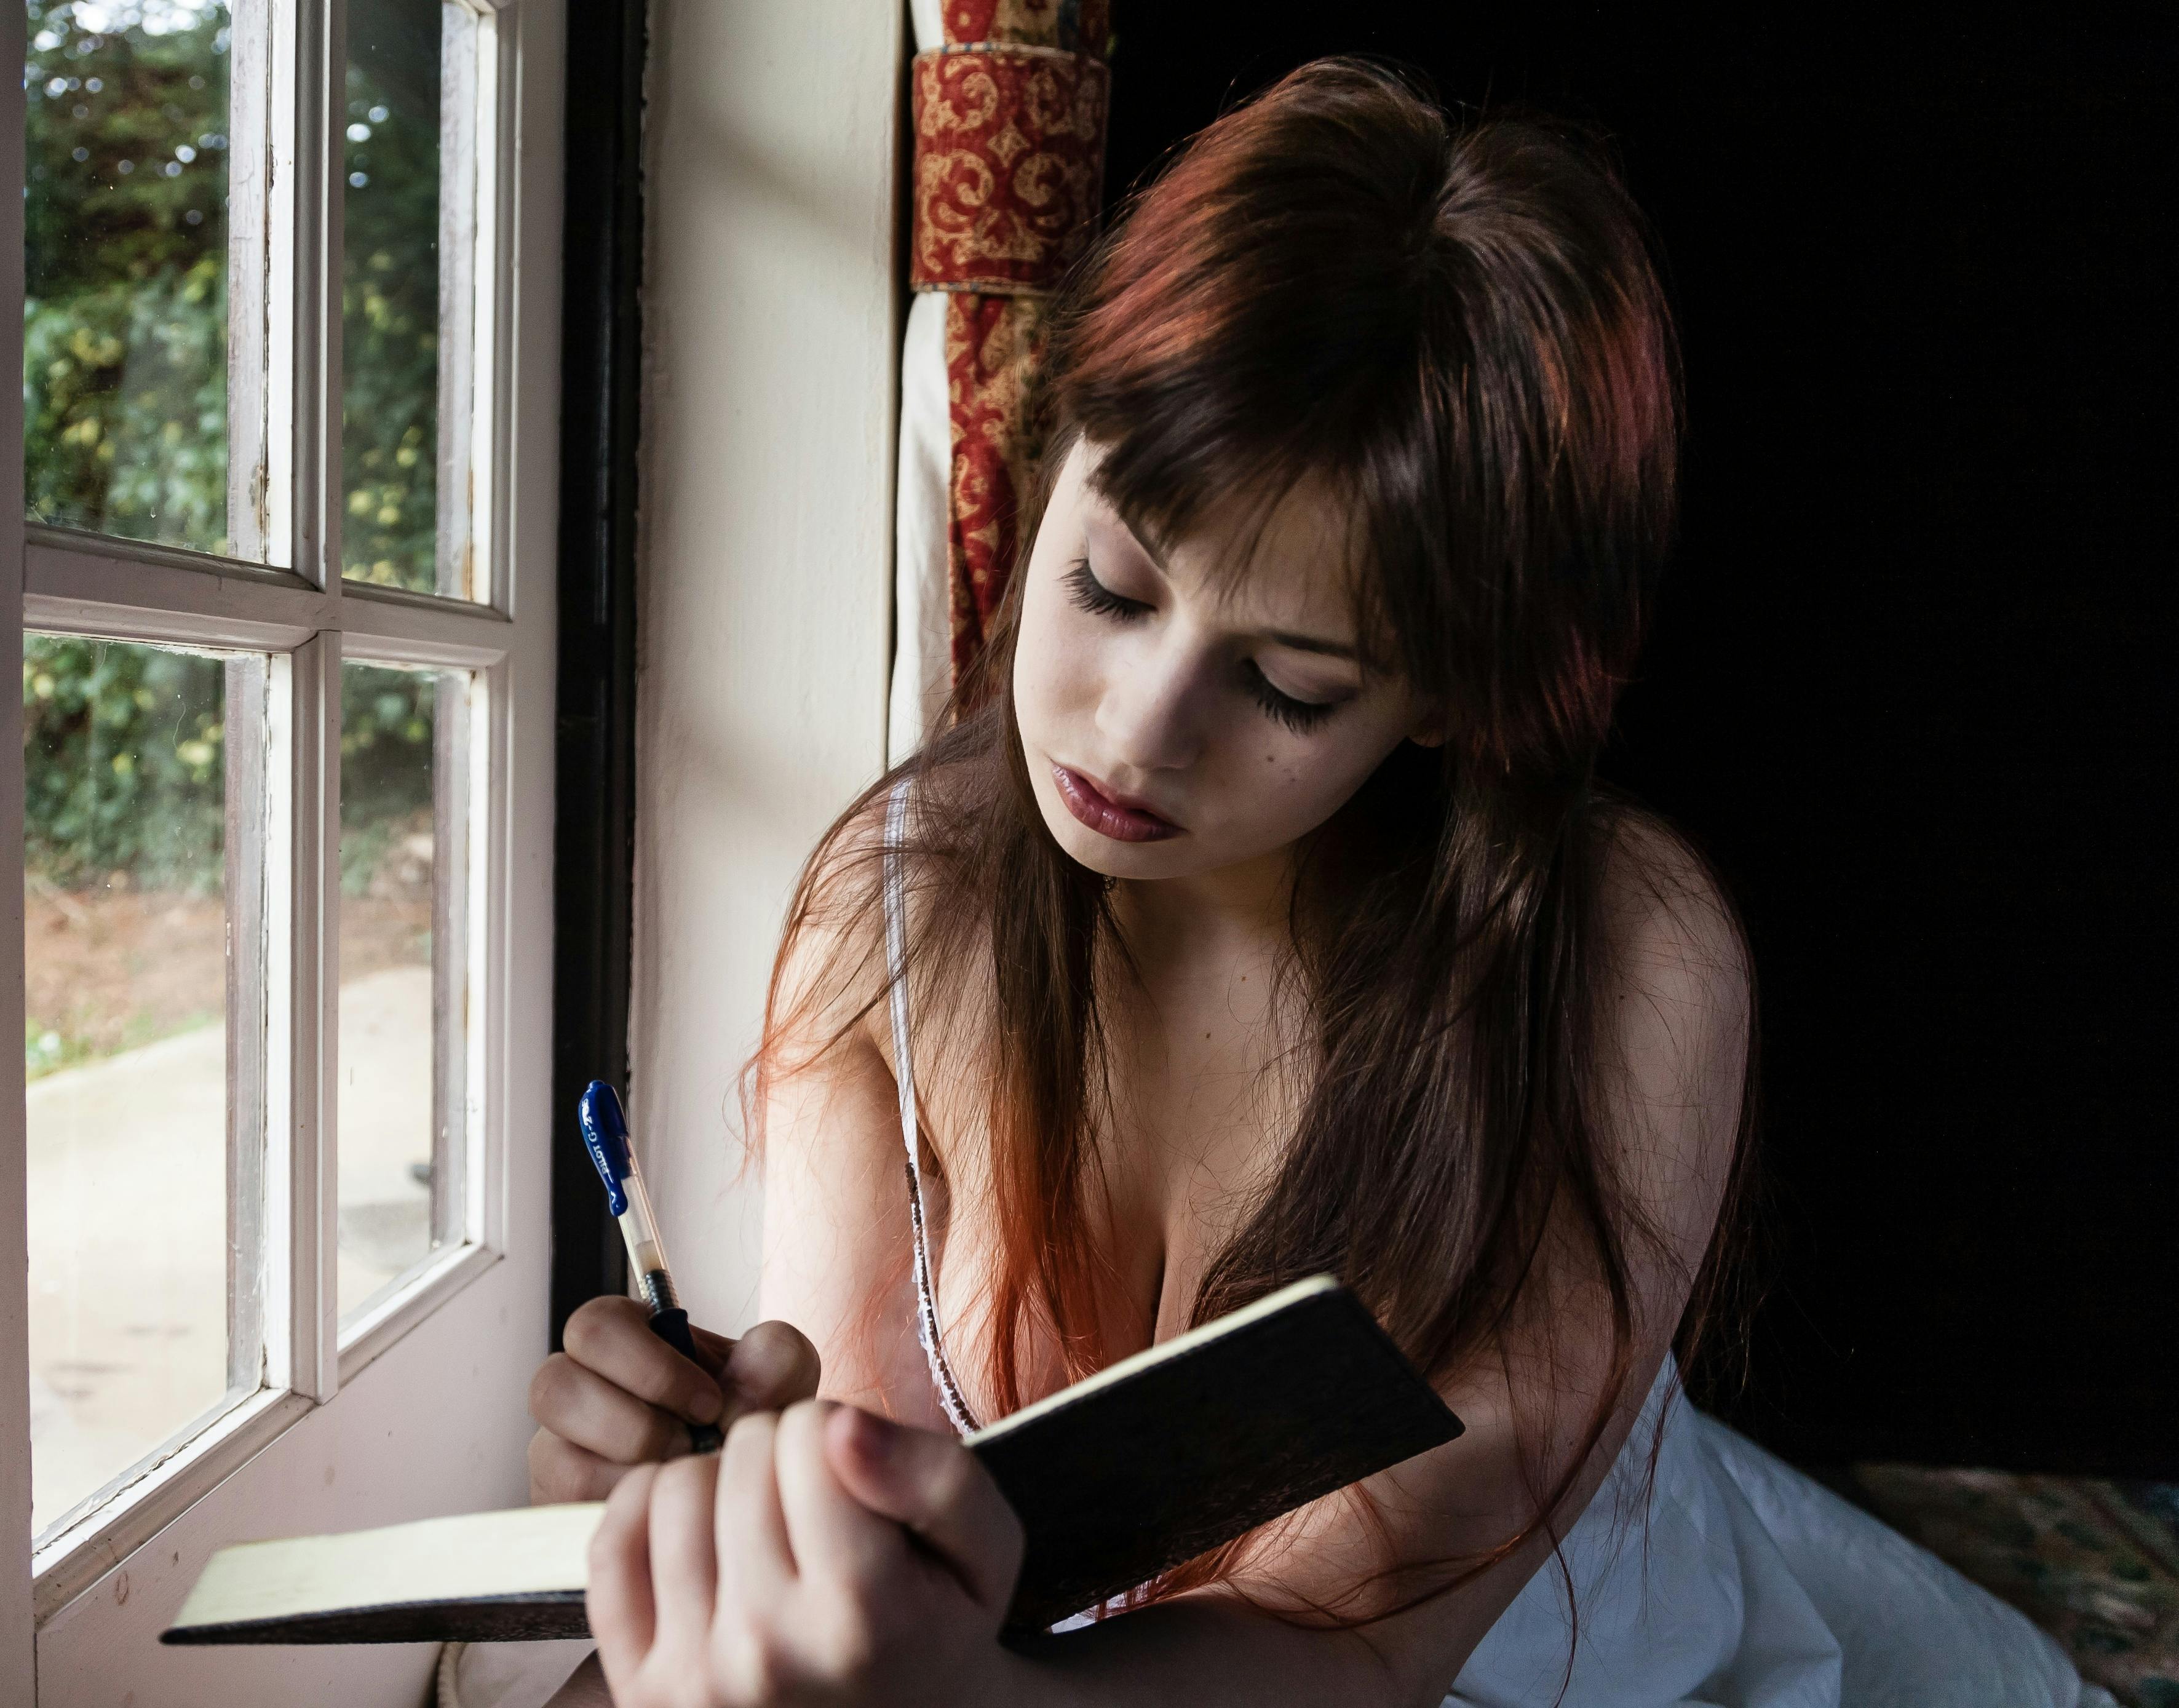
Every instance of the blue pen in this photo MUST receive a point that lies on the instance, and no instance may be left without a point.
(605, 1135)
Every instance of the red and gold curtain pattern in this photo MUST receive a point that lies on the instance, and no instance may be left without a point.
(1009, 121)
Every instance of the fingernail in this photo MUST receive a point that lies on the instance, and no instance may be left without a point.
(708, 1405)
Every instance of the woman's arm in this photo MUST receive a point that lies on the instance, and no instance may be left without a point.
(836, 1230)
(835, 1219)
(836, 1253)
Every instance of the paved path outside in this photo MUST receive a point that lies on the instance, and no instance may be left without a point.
(128, 1225)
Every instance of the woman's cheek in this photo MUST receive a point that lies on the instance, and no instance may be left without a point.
(1042, 666)
(1077, 666)
(1274, 794)
(1300, 782)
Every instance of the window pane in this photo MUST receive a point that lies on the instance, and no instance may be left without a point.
(125, 326)
(403, 338)
(128, 892)
(401, 876)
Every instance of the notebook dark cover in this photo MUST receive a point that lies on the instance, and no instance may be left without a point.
(1161, 1458)
(1137, 1470)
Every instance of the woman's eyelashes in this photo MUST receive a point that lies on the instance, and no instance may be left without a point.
(1300, 716)
(1094, 596)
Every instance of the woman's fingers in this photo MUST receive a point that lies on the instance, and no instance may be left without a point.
(612, 1338)
(712, 1351)
(622, 1615)
(559, 1470)
(935, 1486)
(834, 1535)
(770, 1368)
(580, 1406)
(684, 1558)
(792, 1548)
(756, 1556)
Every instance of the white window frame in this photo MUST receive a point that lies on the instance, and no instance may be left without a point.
(299, 611)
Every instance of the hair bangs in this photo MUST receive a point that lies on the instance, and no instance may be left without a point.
(1455, 331)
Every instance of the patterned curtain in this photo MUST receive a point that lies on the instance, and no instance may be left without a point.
(1008, 102)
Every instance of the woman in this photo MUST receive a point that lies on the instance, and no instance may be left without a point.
(1259, 916)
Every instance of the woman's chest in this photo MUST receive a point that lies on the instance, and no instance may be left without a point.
(1194, 1118)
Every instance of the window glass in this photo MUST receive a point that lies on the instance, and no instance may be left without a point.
(396, 374)
(125, 316)
(400, 1128)
(127, 889)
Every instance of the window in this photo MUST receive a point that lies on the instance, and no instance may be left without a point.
(286, 609)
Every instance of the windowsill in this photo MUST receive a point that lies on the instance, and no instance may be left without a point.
(66, 1564)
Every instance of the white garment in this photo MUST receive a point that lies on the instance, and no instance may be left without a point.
(1738, 1583)
(1742, 1584)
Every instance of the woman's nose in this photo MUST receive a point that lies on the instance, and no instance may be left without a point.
(1151, 714)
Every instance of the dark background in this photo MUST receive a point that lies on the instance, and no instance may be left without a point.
(1911, 682)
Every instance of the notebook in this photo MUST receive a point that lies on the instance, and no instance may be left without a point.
(1145, 1464)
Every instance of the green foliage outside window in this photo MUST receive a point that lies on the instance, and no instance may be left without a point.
(124, 752)
(124, 390)
(390, 297)
(386, 756)
(124, 748)
(124, 317)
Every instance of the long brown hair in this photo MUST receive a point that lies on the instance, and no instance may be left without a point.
(1458, 327)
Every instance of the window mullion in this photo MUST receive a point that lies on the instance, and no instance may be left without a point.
(451, 993)
(492, 362)
(302, 988)
(490, 854)
(305, 367)
(271, 232)
(459, 155)
(248, 836)
(305, 373)
(259, 322)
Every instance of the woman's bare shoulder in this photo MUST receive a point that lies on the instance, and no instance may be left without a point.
(835, 963)
(1674, 1014)
(831, 966)
(1665, 920)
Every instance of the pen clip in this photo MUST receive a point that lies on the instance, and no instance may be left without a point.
(604, 1136)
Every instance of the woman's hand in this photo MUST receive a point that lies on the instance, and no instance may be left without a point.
(825, 1556)
(619, 1397)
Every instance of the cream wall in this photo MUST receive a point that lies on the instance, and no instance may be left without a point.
(771, 318)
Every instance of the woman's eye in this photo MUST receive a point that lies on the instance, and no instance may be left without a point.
(1093, 595)
(1300, 716)
(1087, 592)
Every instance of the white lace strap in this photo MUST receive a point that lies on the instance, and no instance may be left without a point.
(926, 1298)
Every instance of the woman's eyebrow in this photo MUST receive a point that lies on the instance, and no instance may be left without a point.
(1283, 637)
(1312, 643)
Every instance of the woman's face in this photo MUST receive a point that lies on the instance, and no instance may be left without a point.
(1173, 727)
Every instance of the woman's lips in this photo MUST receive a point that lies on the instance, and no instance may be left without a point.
(1106, 817)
